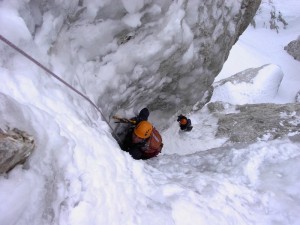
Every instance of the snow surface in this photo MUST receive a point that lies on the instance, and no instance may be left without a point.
(79, 175)
(251, 86)
(260, 46)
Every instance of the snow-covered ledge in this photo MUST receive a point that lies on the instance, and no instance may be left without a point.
(255, 85)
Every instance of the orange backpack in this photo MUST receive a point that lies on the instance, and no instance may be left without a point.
(154, 144)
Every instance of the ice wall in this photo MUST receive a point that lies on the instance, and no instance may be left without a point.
(128, 54)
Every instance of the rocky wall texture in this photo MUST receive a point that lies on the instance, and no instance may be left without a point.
(293, 48)
(187, 64)
(254, 122)
(15, 148)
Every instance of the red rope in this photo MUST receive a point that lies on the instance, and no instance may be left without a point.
(53, 74)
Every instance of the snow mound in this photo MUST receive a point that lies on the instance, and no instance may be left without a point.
(255, 85)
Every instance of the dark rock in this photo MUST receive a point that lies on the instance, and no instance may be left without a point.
(15, 147)
(293, 48)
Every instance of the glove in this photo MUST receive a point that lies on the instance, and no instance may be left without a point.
(179, 117)
(135, 153)
(140, 146)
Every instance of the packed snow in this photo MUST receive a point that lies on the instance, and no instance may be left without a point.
(78, 175)
(250, 86)
(260, 46)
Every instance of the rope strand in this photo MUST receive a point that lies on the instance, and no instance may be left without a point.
(55, 76)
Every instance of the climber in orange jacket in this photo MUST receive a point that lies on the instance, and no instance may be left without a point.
(143, 141)
(185, 124)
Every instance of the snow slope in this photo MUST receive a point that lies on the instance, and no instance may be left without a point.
(78, 175)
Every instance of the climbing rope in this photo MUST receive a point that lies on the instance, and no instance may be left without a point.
(55, 76)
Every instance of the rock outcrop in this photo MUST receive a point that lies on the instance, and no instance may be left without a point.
(250, 123)
(293, 48)
(15, 147)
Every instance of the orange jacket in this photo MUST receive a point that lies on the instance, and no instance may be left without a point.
(152, 146)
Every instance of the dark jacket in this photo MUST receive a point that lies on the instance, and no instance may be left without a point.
(143, 116)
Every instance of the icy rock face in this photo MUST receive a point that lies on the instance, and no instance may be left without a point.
(293, 48)
(189, 42)
(15, 147)
(160, 54)
(250, 123)
(255, 85)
